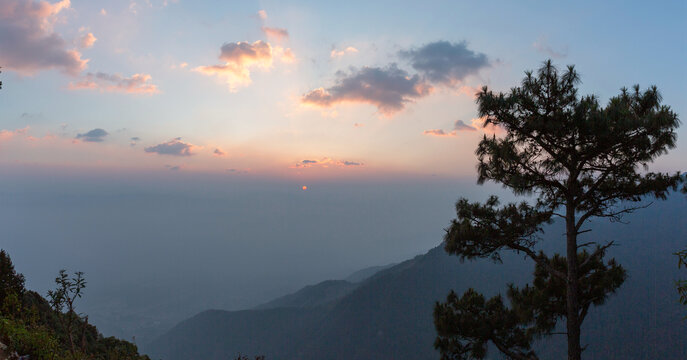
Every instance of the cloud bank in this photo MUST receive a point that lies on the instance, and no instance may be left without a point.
(28, 43)
(440, 63)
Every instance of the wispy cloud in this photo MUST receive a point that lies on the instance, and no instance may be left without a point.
(325, 163)
(278, 34)
(95, 135)
(336, 53)
(542, 46)
(28, 42)
(389, 89)
(136, 84)
(219, 152)
(458, 126)
(174, 147)
(9, 134)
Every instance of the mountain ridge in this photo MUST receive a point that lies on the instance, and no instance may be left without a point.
(389, 315)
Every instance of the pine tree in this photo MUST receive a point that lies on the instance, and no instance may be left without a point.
(580, 161)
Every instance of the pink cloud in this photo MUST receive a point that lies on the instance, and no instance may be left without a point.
(458, 126)
(87, 41)
(9, 134)
(339, 53)
(136, 84)
(275, 33)
(28, 43)
(439, 133)
(285, 55)
(219, 152)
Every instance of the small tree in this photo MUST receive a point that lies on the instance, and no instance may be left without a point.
(580, 160)
(63, 301)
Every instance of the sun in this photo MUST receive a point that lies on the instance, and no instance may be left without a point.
(304, 187)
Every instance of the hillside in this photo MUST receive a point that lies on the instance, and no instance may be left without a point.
(389, 316)
(322, 294)
(36, 328)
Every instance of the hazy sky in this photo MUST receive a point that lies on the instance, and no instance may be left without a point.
(162, 146)
(302, 89)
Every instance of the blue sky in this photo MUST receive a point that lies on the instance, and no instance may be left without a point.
(262, 125)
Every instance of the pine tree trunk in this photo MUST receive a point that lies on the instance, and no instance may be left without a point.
(573, 286)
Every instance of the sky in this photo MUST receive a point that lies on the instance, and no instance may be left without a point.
(302, 90)
(216, 154)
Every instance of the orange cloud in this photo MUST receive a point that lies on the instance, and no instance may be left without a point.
(136, 84)
(240, 57)
(285, 55)
(439, 132)
(490, 129)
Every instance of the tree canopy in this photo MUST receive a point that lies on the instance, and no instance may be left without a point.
(575, 160)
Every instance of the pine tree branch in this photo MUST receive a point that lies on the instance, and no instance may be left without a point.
(539, 259)
(598, 252)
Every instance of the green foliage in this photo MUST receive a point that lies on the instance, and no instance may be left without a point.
(10, 281)
(38, 342)
(466, 324)
(31, 325)
(580, 160)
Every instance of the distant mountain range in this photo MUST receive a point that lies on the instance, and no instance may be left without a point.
(387, 314)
